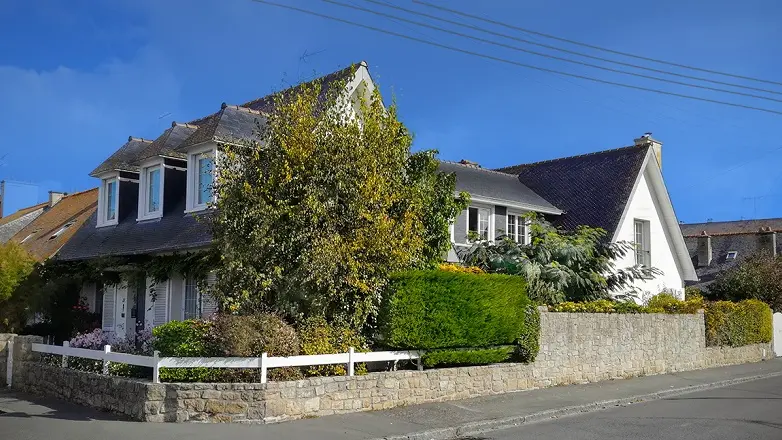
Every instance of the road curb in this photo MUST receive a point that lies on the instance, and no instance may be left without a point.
(484, 426)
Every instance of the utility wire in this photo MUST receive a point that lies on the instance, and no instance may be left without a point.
(554, 57)
(578, 43)
(572, 52)
(515, 63)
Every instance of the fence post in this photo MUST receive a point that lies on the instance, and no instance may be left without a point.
(106, 349)
(420, 362)
(264, 355)
(156, 367)
(9, 368)
(65, 344)
(351, 366)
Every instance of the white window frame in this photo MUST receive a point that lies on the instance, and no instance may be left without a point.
(490, 210)
(192, 176)
(103, 200)
(643, 251)
(143, 191)
(190, 280)
(521, 222)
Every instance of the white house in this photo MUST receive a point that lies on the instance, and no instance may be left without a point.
(621, 191)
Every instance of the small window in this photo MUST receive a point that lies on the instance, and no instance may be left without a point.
(61, 230)
(153, 189)
(192, 299)
(28, 237)
(478, 222)
(732, 255)
(204, 165)
(517, 229)
(643, 255)
(110, 188)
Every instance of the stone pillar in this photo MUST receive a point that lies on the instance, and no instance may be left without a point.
(4, 338)
(23, 353)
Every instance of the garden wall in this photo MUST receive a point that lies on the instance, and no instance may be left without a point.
(575, 348)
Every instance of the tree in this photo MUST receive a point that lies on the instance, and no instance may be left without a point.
(15, 265)
(757, 277)
(561, 265)
(313, 219)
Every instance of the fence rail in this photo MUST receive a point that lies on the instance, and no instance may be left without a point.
(264, 362)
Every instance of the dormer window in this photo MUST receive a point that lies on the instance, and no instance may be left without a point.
(200, 178)
(151, 192)
(108, 198)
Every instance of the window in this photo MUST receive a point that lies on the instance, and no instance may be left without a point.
(642, 246)
(192, 299)
(61, 230)
(109, 197)
(150, 197)
(732, 255)
(517, 229)
(478, 222)
(153, 189)
(98, 298)
(204, 164)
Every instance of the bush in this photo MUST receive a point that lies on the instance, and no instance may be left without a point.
(319, 337)
(662, 303)
(667, 303)
(438, 309)
(736, 324)
(458, 268)
(185, 339)
(478, 356)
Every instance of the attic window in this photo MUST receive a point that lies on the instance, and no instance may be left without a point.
(28, 237)
(61, 230)
(731, 255)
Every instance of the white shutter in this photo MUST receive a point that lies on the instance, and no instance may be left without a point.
(160, 308)
(208, 303)
(109, 299)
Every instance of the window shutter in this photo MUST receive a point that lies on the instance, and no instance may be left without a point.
(161, 304)
(208, 303)
(109, 298)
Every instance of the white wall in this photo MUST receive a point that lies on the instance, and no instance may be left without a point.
(643, 207)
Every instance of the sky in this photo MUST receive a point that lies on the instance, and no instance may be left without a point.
(78, 77)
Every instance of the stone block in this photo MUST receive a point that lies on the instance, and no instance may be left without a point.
(225, 407)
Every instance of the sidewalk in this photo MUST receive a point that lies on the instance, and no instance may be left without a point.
(31, 416)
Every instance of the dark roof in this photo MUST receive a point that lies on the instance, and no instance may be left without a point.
(592, 189)
(13, 223)
(732, 227)
(72, 210)
(175, 231)
(166, 143)
(493, 184)
(125, 158)
(231, 124)
(745, 245)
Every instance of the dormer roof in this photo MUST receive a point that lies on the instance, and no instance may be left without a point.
(167, 143)
(232, 123)
(123, 159)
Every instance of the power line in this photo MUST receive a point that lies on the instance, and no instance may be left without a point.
(572, 52)
(554, 57)
(578, 43)
(515, 63)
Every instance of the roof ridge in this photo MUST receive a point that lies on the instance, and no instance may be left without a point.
(139, 139)
(577, 156)
(733, 221)
(478, 167)
(723, 234)
(241, 108)
(184, 124)
(80, 192)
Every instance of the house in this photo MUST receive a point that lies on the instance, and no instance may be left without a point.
(153, 199)
(621, 191)
(13, 223)
(715, 247)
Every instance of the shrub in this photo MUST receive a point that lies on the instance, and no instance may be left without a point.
(319, 337)
(667, 303)
(662, 303)
(185, 339)
(438, 309)
(478, 356)
(736, 324)
(458, 268)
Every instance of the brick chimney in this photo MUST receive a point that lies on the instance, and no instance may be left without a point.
(767, 240)
(704, 249)
(648, 141)
(55, 197)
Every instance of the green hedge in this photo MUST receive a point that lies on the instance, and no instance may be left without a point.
(185, 339)
(441, 310)
(662, 303)
(738, 323)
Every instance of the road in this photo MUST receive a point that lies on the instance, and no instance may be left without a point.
(751, 410)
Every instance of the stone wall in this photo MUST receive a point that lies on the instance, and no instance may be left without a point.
(575, 348)
(4, 338)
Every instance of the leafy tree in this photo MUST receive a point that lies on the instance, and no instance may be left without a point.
(561, 265)
(15, 265)
(757, 277)
(312, 220)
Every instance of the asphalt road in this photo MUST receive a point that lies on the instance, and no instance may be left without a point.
(751, 410)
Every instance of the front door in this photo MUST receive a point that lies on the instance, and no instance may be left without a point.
(138, 305)
(120, 310)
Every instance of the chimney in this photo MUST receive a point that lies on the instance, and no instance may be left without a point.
(54, 197)
(767, 241)
(648, 141)
(704, 249)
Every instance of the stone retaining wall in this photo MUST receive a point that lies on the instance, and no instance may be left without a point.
(575, 348)
(4, 338)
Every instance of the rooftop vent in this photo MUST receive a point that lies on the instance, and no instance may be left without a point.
(731, 255)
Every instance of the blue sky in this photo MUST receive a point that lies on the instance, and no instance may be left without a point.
(78, 77)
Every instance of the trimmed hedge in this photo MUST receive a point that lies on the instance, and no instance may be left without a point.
(185, 339)
(662, 303)
(738, 323)
(464, 317)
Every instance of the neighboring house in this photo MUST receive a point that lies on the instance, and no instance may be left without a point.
(154, 198)
(717, 246)
(13, 223)
(621, 191)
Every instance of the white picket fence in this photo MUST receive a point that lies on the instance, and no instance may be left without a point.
(263, 362)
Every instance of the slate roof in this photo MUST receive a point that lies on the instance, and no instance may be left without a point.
(592, 189)
(166, 143)
(745, 244)
(125, 158)
(496, 185)
(73, 210)
(231, 124)
(732, 227)
(175, 231)
(13, 223)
